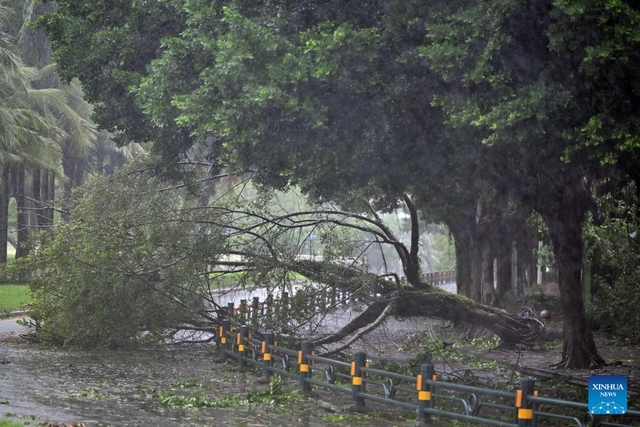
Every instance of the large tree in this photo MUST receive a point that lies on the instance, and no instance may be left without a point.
(46, 119)
(552, 87)
(350, 78)
(441, 103)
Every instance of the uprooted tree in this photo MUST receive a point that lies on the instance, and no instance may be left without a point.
(142, 261)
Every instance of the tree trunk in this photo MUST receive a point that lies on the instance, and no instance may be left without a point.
(437, 303)
(489, 294)
(441, 304)
(420, 300)
(4, 213)
(22, 226)
(36, 193)
(48, 195)
(477, 266)
(462, 244)
(503, 278)
(565, 228)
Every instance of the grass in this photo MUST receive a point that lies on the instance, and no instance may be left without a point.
(13, 297)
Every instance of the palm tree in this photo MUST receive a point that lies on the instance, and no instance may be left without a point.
(40, 121)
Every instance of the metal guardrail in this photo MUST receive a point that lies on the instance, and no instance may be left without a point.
(423, 393)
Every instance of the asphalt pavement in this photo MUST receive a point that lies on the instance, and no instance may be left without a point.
(10, 326)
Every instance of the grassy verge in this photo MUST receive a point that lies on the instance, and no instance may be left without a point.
(10, 424)
(13, 297)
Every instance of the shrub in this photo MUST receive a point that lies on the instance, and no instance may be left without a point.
(124, 270)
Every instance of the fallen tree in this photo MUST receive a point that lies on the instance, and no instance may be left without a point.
(426, 300)
(139, 262)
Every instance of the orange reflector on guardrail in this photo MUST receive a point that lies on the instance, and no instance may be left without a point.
(525, 414)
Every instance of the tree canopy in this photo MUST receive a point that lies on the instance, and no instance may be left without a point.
(442, 105)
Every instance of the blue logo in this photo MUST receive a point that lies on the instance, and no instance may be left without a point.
(608, 394)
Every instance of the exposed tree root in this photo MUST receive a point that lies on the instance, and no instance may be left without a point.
(436, 303)
(381, 318)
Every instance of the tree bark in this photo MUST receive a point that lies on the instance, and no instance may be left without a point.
(437, 303)
(477, 264)
(565, 224)
(462, 245)
(22, 249)
(36, 194)
(422, 300)
(503, 278)
(441, 304)
(4, 213)
(48, 195)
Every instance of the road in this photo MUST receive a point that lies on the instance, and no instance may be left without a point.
(11, 326)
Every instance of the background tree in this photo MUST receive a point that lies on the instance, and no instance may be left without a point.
(530, 79)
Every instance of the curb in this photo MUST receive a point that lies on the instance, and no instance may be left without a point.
(13, 314)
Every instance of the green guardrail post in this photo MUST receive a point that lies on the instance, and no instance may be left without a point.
(523, 405)
(267, 347)
(241, 339)
(304, 362)
(425, 392)
(357, 382)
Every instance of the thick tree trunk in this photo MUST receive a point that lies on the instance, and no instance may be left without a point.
(477, 265)
(437, 303)
(418, 300)
(565, 227)
(579, 348)
(489, 294)
(503, 279)
(470, 242)
(441, 304)
(462, 244)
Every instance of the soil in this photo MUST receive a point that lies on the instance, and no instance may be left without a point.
(54, 387)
